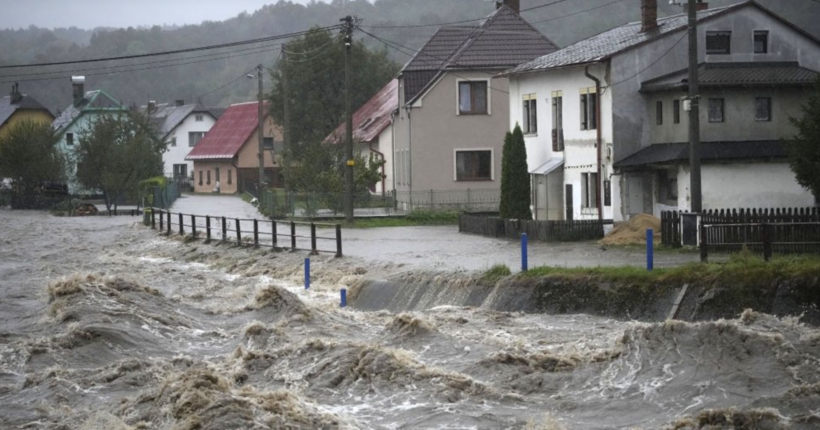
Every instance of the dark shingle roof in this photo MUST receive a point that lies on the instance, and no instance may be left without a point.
(736, 75)
(97, 100)
(611, 42)
(502, 40)
(167, 117)
(671, 153)
(7, 108)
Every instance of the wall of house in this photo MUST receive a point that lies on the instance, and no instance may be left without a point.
(580, 152)
(83, 123)
(176, 154)
(755, 185)
(25, 114)
(431, 132)
(739, 115)
(202, 184)
(249, 154)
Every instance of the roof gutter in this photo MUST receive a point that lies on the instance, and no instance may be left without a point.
(599, 139)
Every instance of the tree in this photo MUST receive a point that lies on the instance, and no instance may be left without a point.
(804, 149)
(117, 152)
(30, 160)
(515, 178)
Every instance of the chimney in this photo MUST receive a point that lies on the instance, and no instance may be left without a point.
(699, 6)
(180, 103)
(515, 5)
(78, 84)
(152, 106)
(649, 15)
(16, 97)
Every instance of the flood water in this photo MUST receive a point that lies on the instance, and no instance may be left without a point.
(106, 325)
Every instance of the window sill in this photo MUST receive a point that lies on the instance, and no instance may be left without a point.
(473, 113)
(474, 180)
(530, 134)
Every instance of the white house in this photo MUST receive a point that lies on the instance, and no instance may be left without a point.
(619, 148)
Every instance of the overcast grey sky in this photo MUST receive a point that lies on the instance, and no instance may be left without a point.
(121, 13)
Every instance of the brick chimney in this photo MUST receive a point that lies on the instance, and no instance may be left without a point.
(16, 97)
(180, 103)
(649, 15)
(78, 85)
(515, 5)
(699, 6)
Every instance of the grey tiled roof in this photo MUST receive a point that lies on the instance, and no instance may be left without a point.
(7, 108)
(736, 74)
(502, 40)
(611, 42)
(668, 153)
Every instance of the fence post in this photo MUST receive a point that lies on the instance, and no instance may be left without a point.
(432, 199)
(292, 236)
(650, 249)
(767, 241)
(524, 252)
(161, 221)
(224, 229)
(338, 240)
(238, 232)
(181, 225)
(153, 219)
(469, 201)
(169, 223)
(207, 228)
(704, 244)
(313, 249)
(193, 226)
(343, 302)
(273, 232)
(256, 233)
(307, 273)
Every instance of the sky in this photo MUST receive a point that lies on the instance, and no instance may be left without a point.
(89, 14)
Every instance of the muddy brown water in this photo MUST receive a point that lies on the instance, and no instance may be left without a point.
(106, 325)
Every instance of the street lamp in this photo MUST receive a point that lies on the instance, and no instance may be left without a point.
(259, 132)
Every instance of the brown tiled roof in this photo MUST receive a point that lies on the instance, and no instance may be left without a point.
(736, 75)
(373, 117)
(502, 40)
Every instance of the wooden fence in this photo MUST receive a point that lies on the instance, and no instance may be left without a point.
(299, 236)
(542, 231)
(786, 230)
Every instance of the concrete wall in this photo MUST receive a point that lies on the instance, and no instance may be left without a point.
(176, 154)
(432, 130)
(757, 185)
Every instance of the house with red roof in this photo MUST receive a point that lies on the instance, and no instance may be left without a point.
(373, 132)
(226, 160)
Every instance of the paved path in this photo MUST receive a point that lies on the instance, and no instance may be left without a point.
(443, 247)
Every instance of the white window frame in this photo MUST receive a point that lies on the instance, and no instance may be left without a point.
(455, 162)
(489, 96)
(526, 115)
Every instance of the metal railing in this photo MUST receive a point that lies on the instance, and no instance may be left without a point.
(300, 236)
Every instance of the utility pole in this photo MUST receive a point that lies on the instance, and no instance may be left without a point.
(694, 113)
(348, 41)
(259, 132)
(286, 97)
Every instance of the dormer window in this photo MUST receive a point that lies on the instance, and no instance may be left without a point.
(761, 42)
(199, 117)
(718, 42)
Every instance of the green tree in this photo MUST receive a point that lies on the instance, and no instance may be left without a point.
(30, 160)
(804, 149)
(115, 153)
(515, 178)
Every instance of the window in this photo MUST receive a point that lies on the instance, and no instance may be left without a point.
(472, 97)
(676, 111)
(761, 42)
(589, 109)
(267, 143)
(180, 170)
(607, 193)
(200, 177)
(173, 141)
(763, 109)
(530, 114)
(194, 137)
(715, 110)
(69, 139)
(230, 177)
(209, 177)
(199, 117)
(667, 185)
(718, 42)
(474, 165)
(589, 190)
(659, 112)
(558, 121)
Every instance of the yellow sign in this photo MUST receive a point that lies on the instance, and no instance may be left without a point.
(351, 163)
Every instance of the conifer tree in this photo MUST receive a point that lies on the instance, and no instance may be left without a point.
(515, 177)
(804, 149)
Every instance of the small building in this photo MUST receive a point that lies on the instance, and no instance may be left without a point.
(182, 126)
(373, 132)
(17, 107)
(226, 159)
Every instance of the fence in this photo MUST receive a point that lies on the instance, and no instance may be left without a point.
(469, 200)
(543, 231)
(281, 204)
(299, 236)
(164, 197)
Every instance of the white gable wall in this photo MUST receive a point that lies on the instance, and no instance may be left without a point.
(176, 154)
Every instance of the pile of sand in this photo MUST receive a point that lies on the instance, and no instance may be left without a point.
(633, 232)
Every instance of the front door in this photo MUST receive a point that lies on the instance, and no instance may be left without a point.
(569, 206)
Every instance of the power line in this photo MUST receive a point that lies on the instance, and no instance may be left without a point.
(178, 51)
(653, 63)
(579, 12)
(243, 75)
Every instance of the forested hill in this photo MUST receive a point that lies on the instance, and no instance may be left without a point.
(196, 78)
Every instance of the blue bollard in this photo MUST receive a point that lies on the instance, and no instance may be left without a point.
(650, 243)
(523, 252)
(307, 273)
(344, 297)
